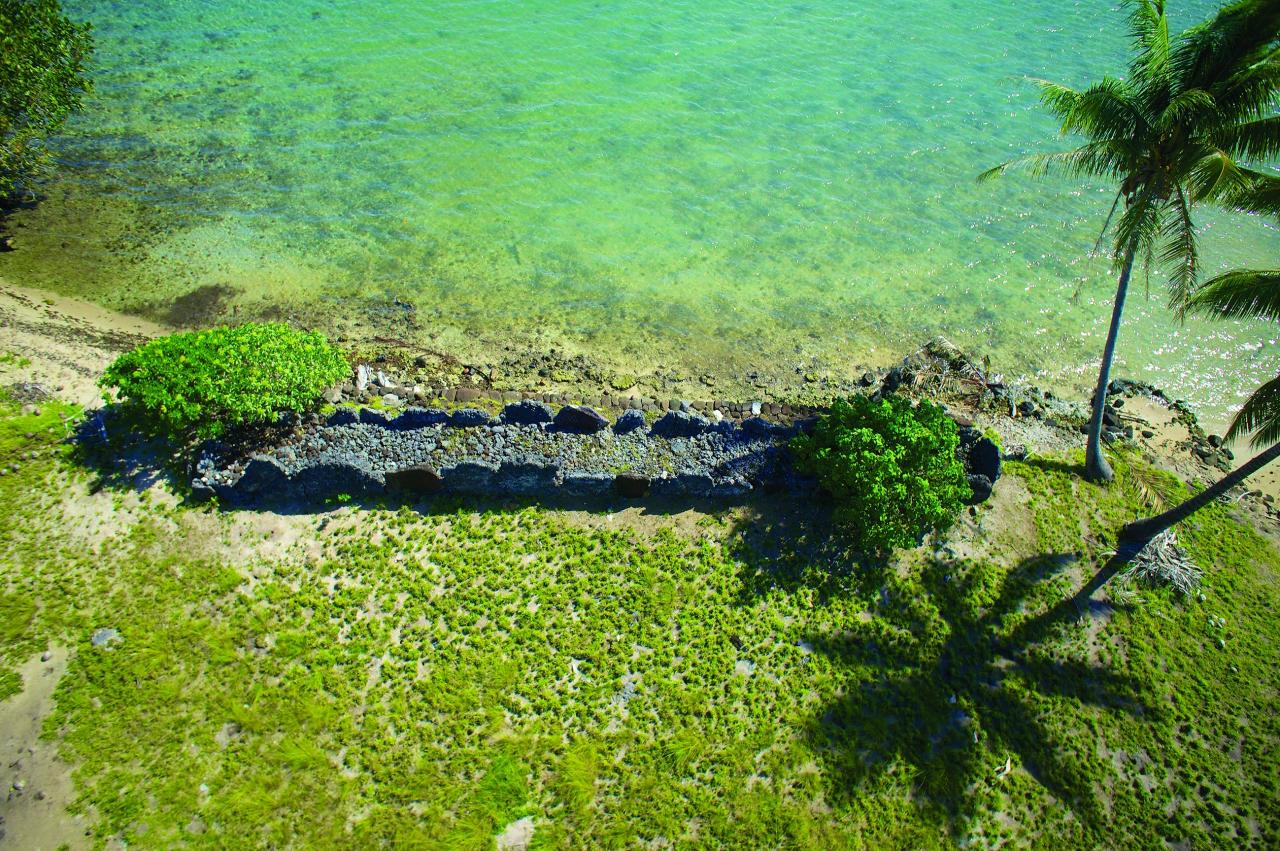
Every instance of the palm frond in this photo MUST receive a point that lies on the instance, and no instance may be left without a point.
(1250, 92)
(1096, 159)
(1150, 31)
(1138, 228)
(1223, 53)
(1105, 110)
(1258, 195)
(1184, 108)
(1254, 140)
(1146, 485)
(1179, 253)
(1239, 294)
(1260, 415)
(1057, 98)
(1215, 176)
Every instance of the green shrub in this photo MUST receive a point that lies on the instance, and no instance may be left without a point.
(203, 382)
(42, 80)
(891, 467)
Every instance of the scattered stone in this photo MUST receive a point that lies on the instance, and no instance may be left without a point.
(527, 412)
(333, 395)
(629, 422)
(680, 424)
(579, 419)
(105, 637)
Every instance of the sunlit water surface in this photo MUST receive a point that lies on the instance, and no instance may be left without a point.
(710, 187)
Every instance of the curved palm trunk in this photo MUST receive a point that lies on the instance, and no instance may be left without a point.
(1096, 467)
(1136, 535)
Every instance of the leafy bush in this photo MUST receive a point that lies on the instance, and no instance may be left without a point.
(892, 468)
(203, 382)
(42, 80)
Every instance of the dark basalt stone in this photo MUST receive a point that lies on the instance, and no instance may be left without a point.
(984, 459)
(527, 412)
(470, 477)
(981, 486)
(469, 418)
(524, 477)
(685, 484)
(579, 419)
(587, 484)
(420, 478)
(759, 427)
(629, 422)
(631, 486)
(321, 480)
(262, 476)
(680, 424)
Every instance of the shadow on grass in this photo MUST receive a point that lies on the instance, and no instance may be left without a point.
(952, 670)
(121, 457)
(945, 706)
(1055, 465)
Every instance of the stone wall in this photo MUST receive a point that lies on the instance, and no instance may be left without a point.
(528, 449)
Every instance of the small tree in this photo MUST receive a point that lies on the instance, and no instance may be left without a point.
(42, 80)
(204, 382)
(891, 467)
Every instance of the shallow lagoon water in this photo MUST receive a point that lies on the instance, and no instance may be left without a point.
(716, 187)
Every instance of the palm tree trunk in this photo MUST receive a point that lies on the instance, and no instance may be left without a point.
(1096, 467)
(1145, 530)
(1136, 535)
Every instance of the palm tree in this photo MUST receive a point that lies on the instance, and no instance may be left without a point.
(1171, 135)
(1242, 293)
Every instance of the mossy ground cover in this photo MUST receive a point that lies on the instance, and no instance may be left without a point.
(423, 675)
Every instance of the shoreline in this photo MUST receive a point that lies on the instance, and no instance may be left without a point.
(69, 341)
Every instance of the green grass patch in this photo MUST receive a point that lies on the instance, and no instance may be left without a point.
(425, 679)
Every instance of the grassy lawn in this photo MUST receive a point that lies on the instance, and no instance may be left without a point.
(423, 676)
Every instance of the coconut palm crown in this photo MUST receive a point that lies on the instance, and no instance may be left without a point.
(1176, 132)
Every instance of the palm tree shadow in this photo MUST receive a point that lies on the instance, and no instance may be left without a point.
(946, 703)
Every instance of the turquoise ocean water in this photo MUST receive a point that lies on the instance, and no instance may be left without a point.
(674, 187)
